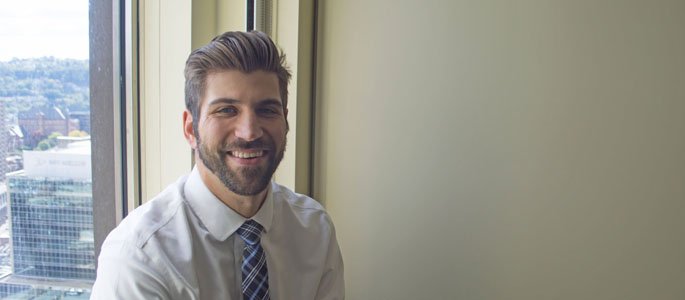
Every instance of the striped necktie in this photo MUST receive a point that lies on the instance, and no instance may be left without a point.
(255, 284)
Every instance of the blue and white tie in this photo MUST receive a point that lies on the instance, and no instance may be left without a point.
(255, 276)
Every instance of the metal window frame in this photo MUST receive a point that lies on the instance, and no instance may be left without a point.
(259, 16)
(108, 107)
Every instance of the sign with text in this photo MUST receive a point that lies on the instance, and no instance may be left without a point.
(55, 164)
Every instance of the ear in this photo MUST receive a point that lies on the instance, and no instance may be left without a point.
(188, 129)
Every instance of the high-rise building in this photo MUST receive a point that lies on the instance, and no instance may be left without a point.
(3, 141)
(4, 137)
(52, 228)
(26, 291)
(51, 220)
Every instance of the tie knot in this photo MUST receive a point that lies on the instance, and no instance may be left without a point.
(250, 231)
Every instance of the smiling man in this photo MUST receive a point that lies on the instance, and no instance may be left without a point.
(226, 231)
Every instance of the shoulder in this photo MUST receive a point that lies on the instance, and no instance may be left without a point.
(134, 256)
(131, 261)
(297, 201)
(307, 211)
(153, 227)
(147, 220)
(310, 242)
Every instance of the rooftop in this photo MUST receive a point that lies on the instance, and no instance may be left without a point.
(70, 159)
(49, 113)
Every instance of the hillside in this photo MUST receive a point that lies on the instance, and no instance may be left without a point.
(45, 81)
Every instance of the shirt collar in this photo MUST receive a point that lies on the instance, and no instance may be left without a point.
(220, 220)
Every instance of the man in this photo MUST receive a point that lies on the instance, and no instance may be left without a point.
(226, 231)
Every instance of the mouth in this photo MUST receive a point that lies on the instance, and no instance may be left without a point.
(247, 154)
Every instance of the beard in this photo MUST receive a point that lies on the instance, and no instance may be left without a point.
(245, 180)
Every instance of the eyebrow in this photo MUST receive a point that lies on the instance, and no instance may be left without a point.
(269, 101)
(222, 100)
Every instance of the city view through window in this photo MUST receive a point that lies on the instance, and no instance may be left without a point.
(46, 223)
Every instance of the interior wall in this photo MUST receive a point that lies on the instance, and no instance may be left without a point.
(214, 17)
(293, 34)
(230, 15)
(165, 42)
(504, 149)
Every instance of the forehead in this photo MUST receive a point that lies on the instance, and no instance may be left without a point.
(244, 87)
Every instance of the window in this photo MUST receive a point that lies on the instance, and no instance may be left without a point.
(47, 196)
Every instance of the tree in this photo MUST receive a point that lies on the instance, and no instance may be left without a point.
(43, 145)
(45, 81)
(52, 139)
(78, 133)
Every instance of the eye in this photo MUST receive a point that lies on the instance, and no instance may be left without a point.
(268, 111)
(227, 110)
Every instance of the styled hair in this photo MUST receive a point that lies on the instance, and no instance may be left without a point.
(233, 50)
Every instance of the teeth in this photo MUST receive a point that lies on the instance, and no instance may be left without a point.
(246, 154)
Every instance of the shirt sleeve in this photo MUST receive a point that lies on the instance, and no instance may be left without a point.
(126, 274)
(332, 285)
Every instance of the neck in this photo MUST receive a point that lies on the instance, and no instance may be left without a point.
(246, 206)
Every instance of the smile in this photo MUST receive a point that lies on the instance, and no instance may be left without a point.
(240, 154)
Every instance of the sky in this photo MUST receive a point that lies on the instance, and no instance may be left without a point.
(35, 28)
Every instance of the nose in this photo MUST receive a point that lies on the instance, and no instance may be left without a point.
(248, 127)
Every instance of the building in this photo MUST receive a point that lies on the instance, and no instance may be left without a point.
(25, 291)
(3, 141)
(51, 219)
(4, 134)
(15, 137)
(83, 118)
(52, 228)
(39, 122)
(3, 206)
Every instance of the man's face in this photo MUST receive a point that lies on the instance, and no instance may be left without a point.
(242, 128)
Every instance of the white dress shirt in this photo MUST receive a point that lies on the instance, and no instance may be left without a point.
(182, 245)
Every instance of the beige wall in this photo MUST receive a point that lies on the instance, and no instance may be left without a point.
(504, 149)
(213, 17)
(294, 35)
(165, 40)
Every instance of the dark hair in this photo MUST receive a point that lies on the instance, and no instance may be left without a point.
(233, 50)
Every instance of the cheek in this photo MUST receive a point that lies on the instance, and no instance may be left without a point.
(211, 133)
(278, 129)
(280, 136)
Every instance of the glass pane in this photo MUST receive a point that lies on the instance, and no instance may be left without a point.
(46, 223)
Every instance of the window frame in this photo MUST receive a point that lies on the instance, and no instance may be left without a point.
(107, 101)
